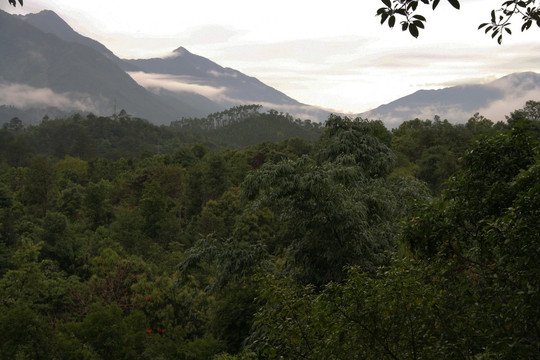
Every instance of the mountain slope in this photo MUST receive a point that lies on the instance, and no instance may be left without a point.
(49, 22)
(459, 103)
(234, 86)
(183, 72)
(185, 77)
(47, 70)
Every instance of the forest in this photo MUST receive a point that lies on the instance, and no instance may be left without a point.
(254, 235)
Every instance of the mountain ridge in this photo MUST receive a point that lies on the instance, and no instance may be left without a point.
(191, 77)
(46, 69)
(58, 61)
(458, 103)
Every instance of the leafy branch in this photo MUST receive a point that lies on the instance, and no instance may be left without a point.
(498, 25)
(14, 3)
(407, 8)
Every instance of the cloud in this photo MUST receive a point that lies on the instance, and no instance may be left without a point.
(176, 83)
(513, 100)
(25, 96)
(302, 112)
(221, 95)
(223, 74)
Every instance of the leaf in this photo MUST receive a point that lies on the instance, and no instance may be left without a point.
(388, 3)
(499, 40)
(392, 21)
(435, 3)
(413, 30)
(454, 3)
(404, 26)
(508, 31)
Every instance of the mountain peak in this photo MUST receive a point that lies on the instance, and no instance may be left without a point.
(48, 17)
(181, 51)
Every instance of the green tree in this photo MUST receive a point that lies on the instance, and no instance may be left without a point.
(481, 231)
(391, 316)
(337, 210)
(528, 116)
(468, 289)
(96, 203)
(24, 334)
(38, 184)
(363, 139)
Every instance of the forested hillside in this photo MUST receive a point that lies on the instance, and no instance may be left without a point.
(249, 235)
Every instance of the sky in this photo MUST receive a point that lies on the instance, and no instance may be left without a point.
(330, 54)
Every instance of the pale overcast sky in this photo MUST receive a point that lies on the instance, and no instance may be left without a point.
(331, 54)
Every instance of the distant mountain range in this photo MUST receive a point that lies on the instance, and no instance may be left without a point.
(53, 65)
(493, 100)
(48, 68)
(40, 70)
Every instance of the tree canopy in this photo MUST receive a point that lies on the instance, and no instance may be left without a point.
(113, 248)
(498, 25)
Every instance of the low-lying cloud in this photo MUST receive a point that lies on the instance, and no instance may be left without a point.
(176, 83)
(221, 95)
(24, 96)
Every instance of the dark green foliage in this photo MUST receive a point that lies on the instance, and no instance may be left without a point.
(528, 117)
(96, 204)
(243, 126)
(483, 226)
(469, 290)
(90, 137)
(292, 249)
(24, 334)
(359, 138)
(333, 209)
(38, 185)
(429, 150)
(392, 316)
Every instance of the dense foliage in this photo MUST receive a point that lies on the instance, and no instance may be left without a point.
(354, 242)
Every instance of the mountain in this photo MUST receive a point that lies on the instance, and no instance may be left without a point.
(185, 77)
(39, 69)
(49, 22)
(184, 71)
(233, 86)
(459, 103)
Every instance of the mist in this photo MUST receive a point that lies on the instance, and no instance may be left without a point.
(24, 96)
